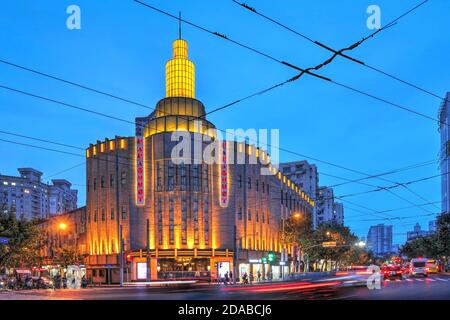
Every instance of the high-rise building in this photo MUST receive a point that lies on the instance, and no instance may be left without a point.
(417, 232)
(432, 226)
(338, 213)
(325, 205)
(31, 198)
(177, 214)
(444, 120)
(379, 239)
(306, 177)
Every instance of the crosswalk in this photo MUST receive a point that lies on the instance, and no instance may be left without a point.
(419, 280)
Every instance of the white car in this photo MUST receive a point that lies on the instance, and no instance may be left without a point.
(419, 267)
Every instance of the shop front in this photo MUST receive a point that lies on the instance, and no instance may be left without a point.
(170, 265)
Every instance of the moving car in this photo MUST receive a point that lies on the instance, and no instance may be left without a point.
(392, 271)
(432, 266)
(418, 267)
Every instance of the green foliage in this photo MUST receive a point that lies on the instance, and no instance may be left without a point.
(435, 246)
(67, 256)
(300, 230)
(25, 241)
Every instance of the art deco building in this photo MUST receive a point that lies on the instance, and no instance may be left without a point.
(180, 216)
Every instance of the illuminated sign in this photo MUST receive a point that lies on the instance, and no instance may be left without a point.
(329, 244)
(224, 176)
(140, 197)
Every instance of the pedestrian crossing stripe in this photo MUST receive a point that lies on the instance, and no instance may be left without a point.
(440, 279)
(421, 280)
(432, 280)
(409, 280)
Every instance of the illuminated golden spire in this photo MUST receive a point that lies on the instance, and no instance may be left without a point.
(180, 72)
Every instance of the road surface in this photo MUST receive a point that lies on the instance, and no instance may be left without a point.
(431, 288)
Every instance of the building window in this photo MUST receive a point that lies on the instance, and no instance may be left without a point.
(195, 214)
(111, 181)
(249, 182)
(205, 178)
(281, 195)
(239, 213)
(124, 212)
(170, 175)
(95, 184)
(112, 213)
(184, 219)
(257, 216)
(103, 214)
(183, 177)
(263, 189)
(249, 216)
(95, 216)
(123, 178)
(171, 220)
(206, 219)
(160, 219)
(263, 217)
(240, 181)
(102, 182)
(159, 185)
(196, 177)
(88, 185)
(257, 185)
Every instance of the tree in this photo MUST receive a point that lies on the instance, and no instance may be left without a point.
(421, 247)
(436, 246)
(345, 253)
(25, 241)
(67, 256)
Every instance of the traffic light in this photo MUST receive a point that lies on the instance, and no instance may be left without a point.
(271, 257)
(264, 260)
(129, 258)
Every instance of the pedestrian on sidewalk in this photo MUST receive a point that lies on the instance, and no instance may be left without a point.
(259, 276)
(251, 278)
(231, 277)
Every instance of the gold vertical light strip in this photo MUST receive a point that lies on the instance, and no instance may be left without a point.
(180, 72)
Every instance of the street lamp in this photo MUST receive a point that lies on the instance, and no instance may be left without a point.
(62, 226)
(361, 244)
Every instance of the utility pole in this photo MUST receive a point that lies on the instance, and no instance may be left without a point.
(235, 254)
(148, 251)
(121, 255)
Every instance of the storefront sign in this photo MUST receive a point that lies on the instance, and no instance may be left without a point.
(140, 196)
(224, 176)
(254, 261)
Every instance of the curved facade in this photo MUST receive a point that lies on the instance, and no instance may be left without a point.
(179, 215)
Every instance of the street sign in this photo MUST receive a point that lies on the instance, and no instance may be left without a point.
(4, 240)
(329, 244)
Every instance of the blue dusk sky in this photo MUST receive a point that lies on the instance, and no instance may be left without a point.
(122, 48)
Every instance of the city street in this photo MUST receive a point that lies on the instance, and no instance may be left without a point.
(433, 287)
